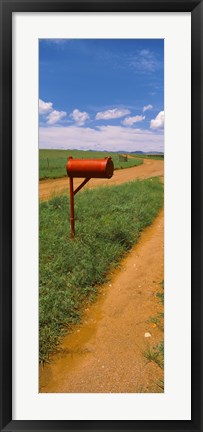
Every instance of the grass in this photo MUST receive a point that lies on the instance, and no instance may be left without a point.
(52, 163)
(160, 384)
(158, 320)
(108, 223)
(160, 294)
(148, 156)
(156, 352)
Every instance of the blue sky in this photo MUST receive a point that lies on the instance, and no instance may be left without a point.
(101, 94)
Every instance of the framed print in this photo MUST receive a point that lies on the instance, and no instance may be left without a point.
(101, 291)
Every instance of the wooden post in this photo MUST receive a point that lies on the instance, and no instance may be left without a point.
(72, 220)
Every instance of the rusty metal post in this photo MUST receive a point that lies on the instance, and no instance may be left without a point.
(72, 219)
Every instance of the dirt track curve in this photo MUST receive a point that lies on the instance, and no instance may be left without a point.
(149, 168)
(105, 353)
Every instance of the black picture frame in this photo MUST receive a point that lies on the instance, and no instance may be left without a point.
(7, 7)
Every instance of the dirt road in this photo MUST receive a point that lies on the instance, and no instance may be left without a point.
(149, 168)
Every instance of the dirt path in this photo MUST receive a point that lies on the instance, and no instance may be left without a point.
(149, 168)
(106, 352)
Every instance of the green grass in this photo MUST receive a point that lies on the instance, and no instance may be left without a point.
(158, 320)
(52, 163)
(156, 354)
(146, 156)
(160, 294)
(160, 384)
(108, 222)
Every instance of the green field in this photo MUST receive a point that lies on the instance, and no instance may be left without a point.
(148, 156)
(52, 163)
(108, 222)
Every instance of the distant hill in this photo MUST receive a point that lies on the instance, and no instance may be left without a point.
(148, 153)
(138, 152)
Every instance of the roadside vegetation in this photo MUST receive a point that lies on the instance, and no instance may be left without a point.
(155, 353)
(52, 163)
(148, 156)
(108, 222)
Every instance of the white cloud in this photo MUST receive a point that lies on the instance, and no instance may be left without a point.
(111, 138)
(145, 61)
(129, 121)
(45, 107)
(158, 122)
(79, 117)
(52, 116)
(147, 107)
(55, 116)
(112, 114)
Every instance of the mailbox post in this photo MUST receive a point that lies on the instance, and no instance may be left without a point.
(88, 168)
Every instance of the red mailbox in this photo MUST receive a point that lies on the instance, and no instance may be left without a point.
(88, 168)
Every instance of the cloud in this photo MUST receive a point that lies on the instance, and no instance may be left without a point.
(45, 107)
(111, 138)
(147, 107)
(112, 114)
(145, 61)
(52, 116)
(158, 122)
(55, 116)
(79, 117)
(55, 41)
(129, 121)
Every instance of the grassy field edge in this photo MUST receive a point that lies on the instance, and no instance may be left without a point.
(52, 163)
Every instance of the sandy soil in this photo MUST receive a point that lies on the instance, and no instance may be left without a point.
(149, 168)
